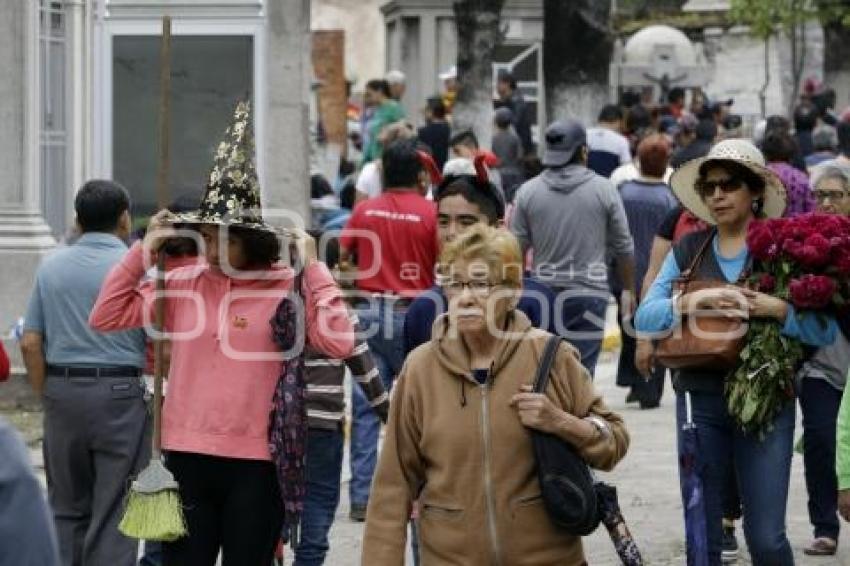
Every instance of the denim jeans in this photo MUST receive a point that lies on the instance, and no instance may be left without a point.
(384, 327)
(763, 469)
(324, 469)
(820, 402)
(582, 323)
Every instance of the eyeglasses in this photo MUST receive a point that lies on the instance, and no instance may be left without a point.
(707, 188)
(478, 287)
(822, 195)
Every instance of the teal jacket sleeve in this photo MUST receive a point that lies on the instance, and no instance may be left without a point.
(655, 313)
(810, 328)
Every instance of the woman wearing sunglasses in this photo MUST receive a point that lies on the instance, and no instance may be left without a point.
(728, 189)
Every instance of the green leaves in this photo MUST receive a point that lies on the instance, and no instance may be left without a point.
(765, 16)
(762, 384)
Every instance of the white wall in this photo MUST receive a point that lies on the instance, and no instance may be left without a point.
(738, 63)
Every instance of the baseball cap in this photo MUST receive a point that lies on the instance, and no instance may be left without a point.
(450, 73)
(563, 139)
(395, 77)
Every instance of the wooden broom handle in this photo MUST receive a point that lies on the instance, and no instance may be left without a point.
(162, 201)
(158, 353)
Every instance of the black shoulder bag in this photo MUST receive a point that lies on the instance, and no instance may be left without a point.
(566, 484)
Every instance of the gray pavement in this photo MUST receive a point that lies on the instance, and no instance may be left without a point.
(647, 482)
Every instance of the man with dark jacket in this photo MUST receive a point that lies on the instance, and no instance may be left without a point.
(705, 133)
(511, 98)
(573, 218)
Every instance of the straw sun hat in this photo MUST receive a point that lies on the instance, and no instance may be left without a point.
(739, 151)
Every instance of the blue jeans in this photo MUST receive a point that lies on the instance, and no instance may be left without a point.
(324, 469)
(820, 402)
(763, 469)
(384, 325)
(582, 323)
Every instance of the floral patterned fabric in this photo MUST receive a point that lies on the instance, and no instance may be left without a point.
(288, 419)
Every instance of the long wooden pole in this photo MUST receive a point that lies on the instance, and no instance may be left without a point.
(162, 200)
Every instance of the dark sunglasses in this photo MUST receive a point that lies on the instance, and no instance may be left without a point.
(706, 188)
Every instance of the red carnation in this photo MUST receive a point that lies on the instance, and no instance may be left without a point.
(767, 283)
(812, 291)
(761, 242)
(815, 251)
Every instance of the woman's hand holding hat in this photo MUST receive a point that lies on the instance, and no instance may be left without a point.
(159, 230)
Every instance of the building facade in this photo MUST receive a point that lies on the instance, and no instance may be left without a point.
(421, 39)
(80, 100)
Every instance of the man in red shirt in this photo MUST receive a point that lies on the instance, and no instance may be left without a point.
(394, 237)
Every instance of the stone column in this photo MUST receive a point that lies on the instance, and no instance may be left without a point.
(286, 185)
(24, 236)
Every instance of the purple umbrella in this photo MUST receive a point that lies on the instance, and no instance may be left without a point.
(693, 494)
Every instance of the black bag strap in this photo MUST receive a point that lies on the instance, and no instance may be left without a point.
(541, 381)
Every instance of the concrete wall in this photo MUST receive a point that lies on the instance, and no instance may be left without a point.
(24, 237)
(738, 63)
(288, 79)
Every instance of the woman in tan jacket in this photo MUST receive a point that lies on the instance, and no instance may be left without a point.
(458, 436)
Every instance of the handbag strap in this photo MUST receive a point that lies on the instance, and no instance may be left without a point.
(541, 381)
(688, 274)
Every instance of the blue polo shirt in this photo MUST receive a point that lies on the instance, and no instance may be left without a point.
(67, 284)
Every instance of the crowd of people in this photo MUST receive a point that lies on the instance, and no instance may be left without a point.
(450, 269)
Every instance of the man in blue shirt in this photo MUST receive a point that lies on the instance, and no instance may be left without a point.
(94, 409)
(462, 202)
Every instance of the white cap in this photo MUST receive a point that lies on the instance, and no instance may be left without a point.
(459, 166)
(395, 77)
(450, 73)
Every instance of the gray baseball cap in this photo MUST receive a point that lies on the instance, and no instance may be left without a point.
(563, 139)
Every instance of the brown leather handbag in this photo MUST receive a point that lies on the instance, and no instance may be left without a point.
(703, 340)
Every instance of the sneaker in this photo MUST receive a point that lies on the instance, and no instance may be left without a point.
(357, 512)
(729, 546)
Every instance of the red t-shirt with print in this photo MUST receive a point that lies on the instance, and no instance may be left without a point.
(395, 238)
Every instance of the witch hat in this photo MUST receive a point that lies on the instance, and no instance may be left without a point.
(232, 196)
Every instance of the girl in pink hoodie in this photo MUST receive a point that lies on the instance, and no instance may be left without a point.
(223, 373)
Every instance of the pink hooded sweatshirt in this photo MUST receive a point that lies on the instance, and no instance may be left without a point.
(224, 362)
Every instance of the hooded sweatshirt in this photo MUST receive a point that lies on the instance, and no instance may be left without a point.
(459, 447)
(571, 217)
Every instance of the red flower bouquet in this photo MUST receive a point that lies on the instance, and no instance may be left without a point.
(804, 260)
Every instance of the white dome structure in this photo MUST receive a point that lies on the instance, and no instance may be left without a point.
(642, 47)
